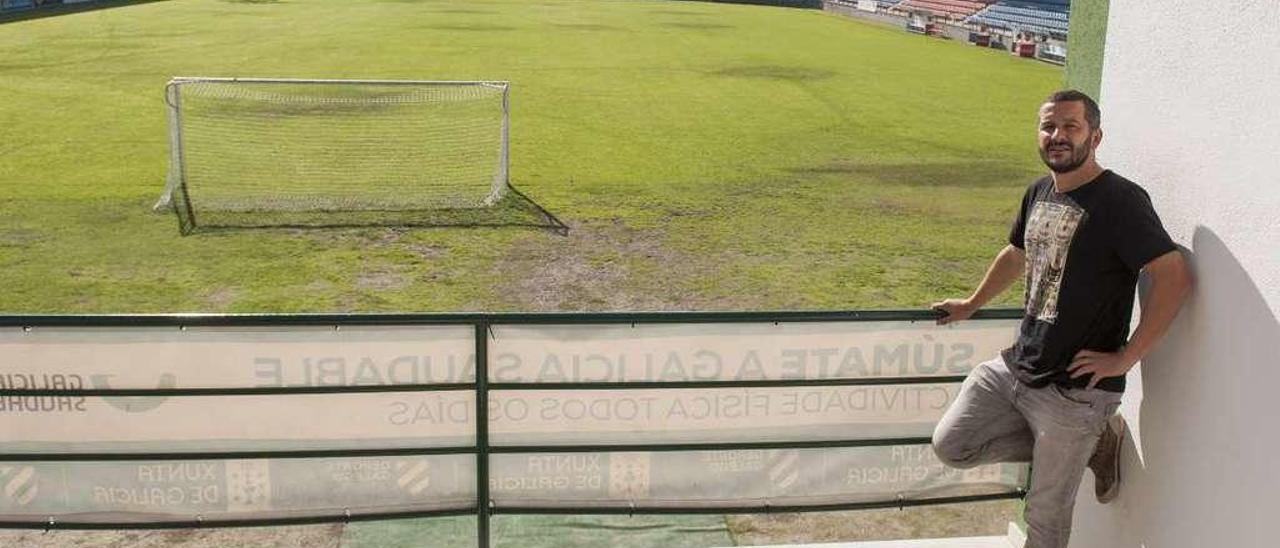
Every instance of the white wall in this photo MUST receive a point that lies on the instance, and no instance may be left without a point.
(1191, 111)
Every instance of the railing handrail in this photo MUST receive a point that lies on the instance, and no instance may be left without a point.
(491, 318)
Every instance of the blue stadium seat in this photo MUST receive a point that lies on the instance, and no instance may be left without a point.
(1039, 16)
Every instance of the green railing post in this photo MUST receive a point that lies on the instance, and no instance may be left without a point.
(482, 434)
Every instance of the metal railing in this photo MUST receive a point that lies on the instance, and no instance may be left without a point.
(482, 449)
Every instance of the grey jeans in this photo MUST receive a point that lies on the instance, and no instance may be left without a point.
(996, 418)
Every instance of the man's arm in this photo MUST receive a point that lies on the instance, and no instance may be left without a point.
(1170, 284)
(1004, 270)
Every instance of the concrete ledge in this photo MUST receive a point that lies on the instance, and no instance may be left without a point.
(967, 542)
(1014, 539)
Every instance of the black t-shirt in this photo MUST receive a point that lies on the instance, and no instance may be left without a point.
(1084, 251)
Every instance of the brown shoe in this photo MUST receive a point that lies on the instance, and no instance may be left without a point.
(1105, 461)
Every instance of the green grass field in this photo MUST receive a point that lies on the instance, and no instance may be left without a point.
(707, 156)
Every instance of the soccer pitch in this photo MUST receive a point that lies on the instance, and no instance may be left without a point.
(706, 156)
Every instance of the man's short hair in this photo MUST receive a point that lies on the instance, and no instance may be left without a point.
(1091, 112)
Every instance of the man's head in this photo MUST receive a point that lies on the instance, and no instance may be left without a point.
(1070, 130)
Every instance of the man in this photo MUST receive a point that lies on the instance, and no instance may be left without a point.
(1082, 236)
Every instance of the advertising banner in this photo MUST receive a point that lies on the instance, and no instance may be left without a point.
(157, 491)
(746, 478)
(222, 357)
(150, 358)
(525, 409)
(531, 355)
(747, 351)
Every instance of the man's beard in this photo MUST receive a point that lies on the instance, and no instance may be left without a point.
(1078, 156)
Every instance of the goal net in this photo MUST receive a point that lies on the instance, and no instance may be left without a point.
(266, 152)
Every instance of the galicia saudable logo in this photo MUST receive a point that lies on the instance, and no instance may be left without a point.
(20, 483)
(134, 404)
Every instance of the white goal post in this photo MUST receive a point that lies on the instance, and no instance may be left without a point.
(259, 146)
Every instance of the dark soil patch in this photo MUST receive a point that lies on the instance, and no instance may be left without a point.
(477, 27)
(586, 27)
(606, 266)
(699, 26)
(968, 174)
(776, 72)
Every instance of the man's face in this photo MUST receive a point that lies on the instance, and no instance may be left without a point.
(1066, 140)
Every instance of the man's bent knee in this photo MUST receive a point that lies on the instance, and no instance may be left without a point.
(952, 451)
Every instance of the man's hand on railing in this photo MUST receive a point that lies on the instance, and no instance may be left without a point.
(953, 310)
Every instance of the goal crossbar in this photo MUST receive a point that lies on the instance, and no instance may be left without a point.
(263, 145)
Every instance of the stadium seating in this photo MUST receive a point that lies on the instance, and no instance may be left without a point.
(953, 9)
(1047, 17)
(14, 5)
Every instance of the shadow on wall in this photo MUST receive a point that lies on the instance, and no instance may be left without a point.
(1207, 423)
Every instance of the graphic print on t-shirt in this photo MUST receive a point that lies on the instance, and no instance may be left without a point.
(1048, 236)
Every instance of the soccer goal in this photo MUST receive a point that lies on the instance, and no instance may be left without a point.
(253, 152)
